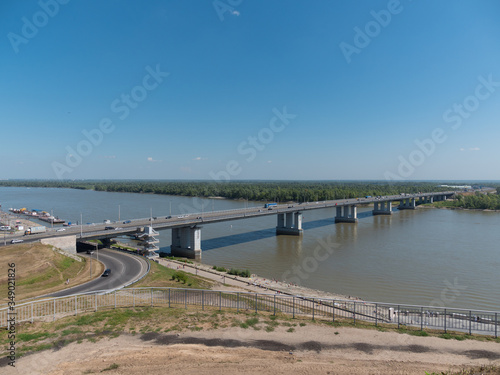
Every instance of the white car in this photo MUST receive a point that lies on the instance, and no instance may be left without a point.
(16, 241)
(60, 230)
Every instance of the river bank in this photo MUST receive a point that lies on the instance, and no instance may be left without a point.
(255, 283)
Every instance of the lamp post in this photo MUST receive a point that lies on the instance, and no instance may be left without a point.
(118, 212)
(81, 226)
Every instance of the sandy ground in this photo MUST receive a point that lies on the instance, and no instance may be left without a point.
(308, 350)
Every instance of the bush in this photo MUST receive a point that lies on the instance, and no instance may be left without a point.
(220, 269)
(234, 271)
(180, 276)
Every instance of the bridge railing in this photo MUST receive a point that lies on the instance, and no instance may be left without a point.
(401, 315)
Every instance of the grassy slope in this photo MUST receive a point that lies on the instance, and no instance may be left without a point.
(40, 270)
(162, 276)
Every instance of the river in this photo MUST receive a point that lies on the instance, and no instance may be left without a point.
(425, 256)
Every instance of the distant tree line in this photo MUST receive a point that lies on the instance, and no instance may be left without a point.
(477, 201)
(280, 191)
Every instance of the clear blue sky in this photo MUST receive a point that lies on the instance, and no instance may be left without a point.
(367, 82)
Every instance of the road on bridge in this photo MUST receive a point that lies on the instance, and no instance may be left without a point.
(115, 229)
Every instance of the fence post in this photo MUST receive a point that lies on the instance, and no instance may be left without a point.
(32, 314)
(470, 322)
(151, 297)
(115, 299)
(444, 320)
(376, 315)
(133, 297)
(256, 303)
(76, 306)
(496, 324)
(421, 318)
(398, 315)
(313, 308)
(202, 300)
(54, 309)
(293, 308)
(95, 300)
(185, 299)
(333, 311)
(354, 313)
(220, 301)
(274, 306)
(169, 290)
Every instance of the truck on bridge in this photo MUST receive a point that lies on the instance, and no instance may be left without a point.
(267, 205)
(35, 230)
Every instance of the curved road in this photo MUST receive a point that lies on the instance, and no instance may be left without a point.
(125, 268)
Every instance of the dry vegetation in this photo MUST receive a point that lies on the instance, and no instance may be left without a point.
(145, 339)
(40, 270)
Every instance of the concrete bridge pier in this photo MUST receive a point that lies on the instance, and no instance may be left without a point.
(290, 223)
(106, 242)
(382, 208)
(347, 214)
(186, 242)
(407, 204)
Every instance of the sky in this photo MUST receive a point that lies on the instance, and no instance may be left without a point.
(239, 89)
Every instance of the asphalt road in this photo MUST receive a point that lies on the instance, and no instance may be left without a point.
(124, 269)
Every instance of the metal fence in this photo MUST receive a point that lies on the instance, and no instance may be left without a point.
(411, 316)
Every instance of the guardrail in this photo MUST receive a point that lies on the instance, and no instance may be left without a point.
(418, 317)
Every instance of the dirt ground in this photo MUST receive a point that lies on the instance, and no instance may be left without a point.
(307, 350)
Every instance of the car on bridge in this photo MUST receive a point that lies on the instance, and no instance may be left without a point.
(127, 222)
(109, 228)
(16, 241)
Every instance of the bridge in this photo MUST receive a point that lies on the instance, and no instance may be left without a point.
(186, 228)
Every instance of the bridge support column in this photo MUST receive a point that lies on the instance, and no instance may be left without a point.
(293, 224)
(349, 214)
(186, 242)
(382, 208)
(407, 204)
